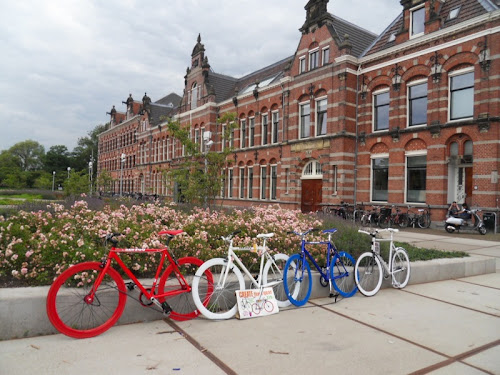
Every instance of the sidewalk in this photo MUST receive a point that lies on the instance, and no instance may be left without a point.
(444, 327)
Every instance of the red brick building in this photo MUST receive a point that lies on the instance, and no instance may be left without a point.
(408, 117)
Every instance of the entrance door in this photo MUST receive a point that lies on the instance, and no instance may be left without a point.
(311, 195)
(468, 185)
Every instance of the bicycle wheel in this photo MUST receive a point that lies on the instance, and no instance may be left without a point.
(182, 305)
(383, 221)
(342, 274)
(404, 221)
(400, 268)
(424, 221)
(256, 308)
(70, 310)
(273, 273)
(297, 280)
(217, 299)
(368, 274)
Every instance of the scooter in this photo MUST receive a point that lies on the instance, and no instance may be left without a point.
(453, 224)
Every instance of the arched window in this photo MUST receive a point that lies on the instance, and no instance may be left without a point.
(312, 170)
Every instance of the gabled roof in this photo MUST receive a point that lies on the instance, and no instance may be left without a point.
(359, 38)
(468, 9)
(225, 87)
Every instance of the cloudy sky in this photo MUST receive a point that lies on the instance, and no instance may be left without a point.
(65, 63)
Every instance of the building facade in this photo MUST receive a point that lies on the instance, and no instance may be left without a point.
(407, 117)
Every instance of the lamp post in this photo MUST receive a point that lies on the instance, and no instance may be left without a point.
(69, 169)
(121, 173)
(90, 176)
(53, 179)
(208, 143)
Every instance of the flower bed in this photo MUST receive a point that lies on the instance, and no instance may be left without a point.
(35, 247)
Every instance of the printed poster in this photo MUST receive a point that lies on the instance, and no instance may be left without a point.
(253, 303)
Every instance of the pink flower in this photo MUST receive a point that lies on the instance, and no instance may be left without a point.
(24, 270)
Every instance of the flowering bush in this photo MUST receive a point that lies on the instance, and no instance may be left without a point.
(35, 247)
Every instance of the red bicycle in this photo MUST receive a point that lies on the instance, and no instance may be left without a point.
(89, 298)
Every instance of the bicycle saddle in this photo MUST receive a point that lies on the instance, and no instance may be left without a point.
(171, 232)
(265, 235)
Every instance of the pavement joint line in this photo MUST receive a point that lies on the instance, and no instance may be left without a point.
(451, 303)
(449, 360)
(485, 286)
(382, 330)
(216, 360)
(459, 358)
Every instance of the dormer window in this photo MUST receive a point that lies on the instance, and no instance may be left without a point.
(392, 38)
(417, 21)
(453, 14)
(194, 96)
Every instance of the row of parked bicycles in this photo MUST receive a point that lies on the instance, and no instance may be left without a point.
(88, 298)
(383, 217)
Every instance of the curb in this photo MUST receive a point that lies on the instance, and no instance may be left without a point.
(23, 314)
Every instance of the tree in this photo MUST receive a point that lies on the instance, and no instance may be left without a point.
(28, 154)
(77, 183)
(9, 166)
(199, 177)
(104, 180)
(56, 159)
(86, 149)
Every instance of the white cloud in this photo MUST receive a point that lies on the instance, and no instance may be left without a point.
(66, 62)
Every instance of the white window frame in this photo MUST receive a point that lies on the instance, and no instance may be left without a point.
(323, 60)
(243, 134)
(374, 94)
(302, 64)
(273, 183)
(230, 175)
(372, 157)
(316, 171)
(275, 119)
(316, 117)
(408, 115)
(413, 10)
(314, 52)
(251, 131)
(223, 139)
(250, 182)
(202, 146)
(263, 186)
(409, 154)
(264, 138)
(194, 95)
(242, 181)
(334, 179)
(301, 105)
(450, 76)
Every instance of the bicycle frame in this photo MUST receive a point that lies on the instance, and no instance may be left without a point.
(386, 266)
(165, 253)
(233, 258)
(330, 246)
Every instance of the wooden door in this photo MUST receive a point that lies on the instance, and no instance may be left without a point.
(311, 195)
(468, 185)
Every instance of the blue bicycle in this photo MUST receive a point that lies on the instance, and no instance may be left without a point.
(339, 271)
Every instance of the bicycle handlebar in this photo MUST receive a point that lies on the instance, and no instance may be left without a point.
(374, 233)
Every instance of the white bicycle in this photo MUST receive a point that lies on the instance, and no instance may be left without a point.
(370, 266)
(227, 279)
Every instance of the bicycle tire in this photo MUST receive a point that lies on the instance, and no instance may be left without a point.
(182, 305)
(368, 274)
(67, 309)
(297, 272)
(342, 274)
(274, 272)
(220, 303)
(383, 221)
(404, 222)
(256, 309)
(424, 221)
(400, 268)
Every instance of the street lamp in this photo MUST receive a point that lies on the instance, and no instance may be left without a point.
(90, 176)
(208, 143)
(53, 179)
(69, 169)
(121, 173)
